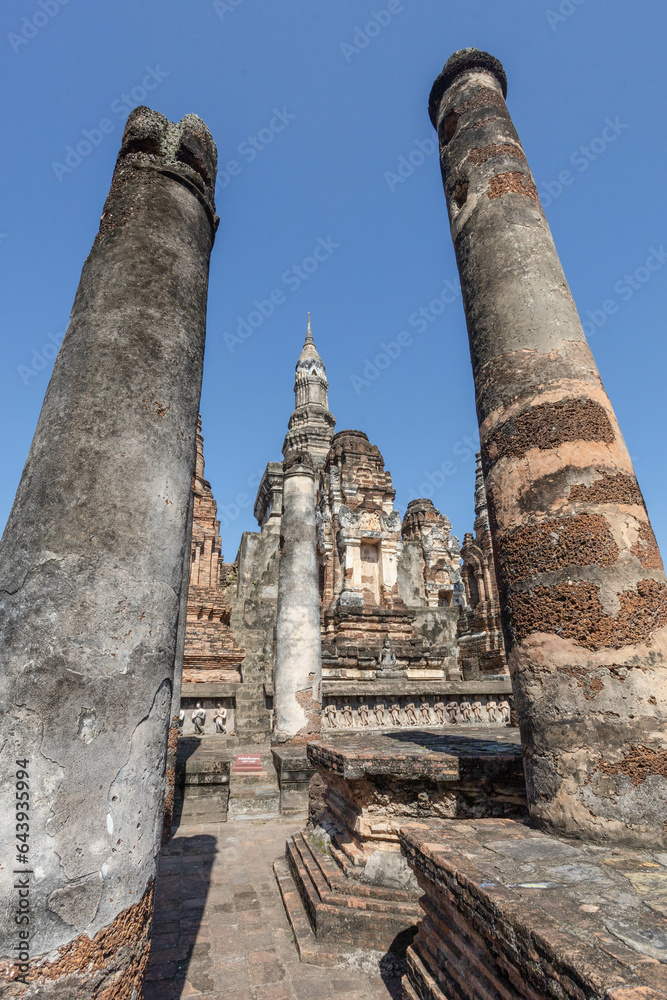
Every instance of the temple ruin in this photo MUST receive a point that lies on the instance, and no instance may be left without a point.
(408, 624)
(468, 741)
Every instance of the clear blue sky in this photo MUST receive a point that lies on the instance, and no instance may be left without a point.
(334, 110)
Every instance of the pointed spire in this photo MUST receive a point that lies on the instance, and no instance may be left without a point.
(309, 349)
(312, 424)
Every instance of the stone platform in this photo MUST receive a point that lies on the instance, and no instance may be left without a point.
(219, 928)
(375, 782)
(203, 769)
(510, 912)
(210, 790)
(344, 882)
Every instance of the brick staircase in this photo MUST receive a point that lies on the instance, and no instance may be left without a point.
(253, 718)
(333, 914)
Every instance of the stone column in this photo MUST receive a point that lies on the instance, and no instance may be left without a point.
(91, 566)
(177, 683)
(298, 670)
(581, 581)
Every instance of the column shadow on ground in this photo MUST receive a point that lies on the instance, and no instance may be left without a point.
(183, 881)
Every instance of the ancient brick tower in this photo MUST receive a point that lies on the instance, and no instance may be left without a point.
(581, 580)
(481, 644)
(211, 653)
(390, 594)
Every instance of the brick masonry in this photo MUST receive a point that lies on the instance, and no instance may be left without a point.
(480, 635)
(510, 912)
(344, 883)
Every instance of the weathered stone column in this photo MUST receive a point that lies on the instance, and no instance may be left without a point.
(581, 580)
(177, 683)
(298, 669)
(91, 567)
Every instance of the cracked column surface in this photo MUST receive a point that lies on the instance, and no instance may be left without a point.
(91, 576)
(298, 668)
(581, 579)
(177, 683)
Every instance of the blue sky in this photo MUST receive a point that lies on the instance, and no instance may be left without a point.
(314, 114)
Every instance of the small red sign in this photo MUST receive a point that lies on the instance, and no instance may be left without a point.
(248, 762)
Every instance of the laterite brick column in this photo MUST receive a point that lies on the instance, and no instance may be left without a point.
(91, 577)
(581, 580)
(298, 668)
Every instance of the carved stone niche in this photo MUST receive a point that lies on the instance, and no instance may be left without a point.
(210, 707)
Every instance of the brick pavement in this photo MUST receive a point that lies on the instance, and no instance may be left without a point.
(220, 930)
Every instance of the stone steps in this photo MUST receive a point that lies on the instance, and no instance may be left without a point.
(253, 737)
(254, 795)
(341, 911)
(425, 981)
(333, 880)
(309, 949)
(253, 718)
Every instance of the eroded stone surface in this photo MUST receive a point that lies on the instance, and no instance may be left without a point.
(298, 664)
(372, 784)
(480, 637)
(581, 582)
(92, 564)
(509, 910)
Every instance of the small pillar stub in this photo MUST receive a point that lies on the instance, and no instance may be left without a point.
(298, 666)
(91, 576)
(581, 580)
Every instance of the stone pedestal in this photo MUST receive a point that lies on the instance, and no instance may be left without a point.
(374, 783)
(202, 781)
(346, 887)
(511, 912)
(294, 772)
(582, 587)
(91, 570)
